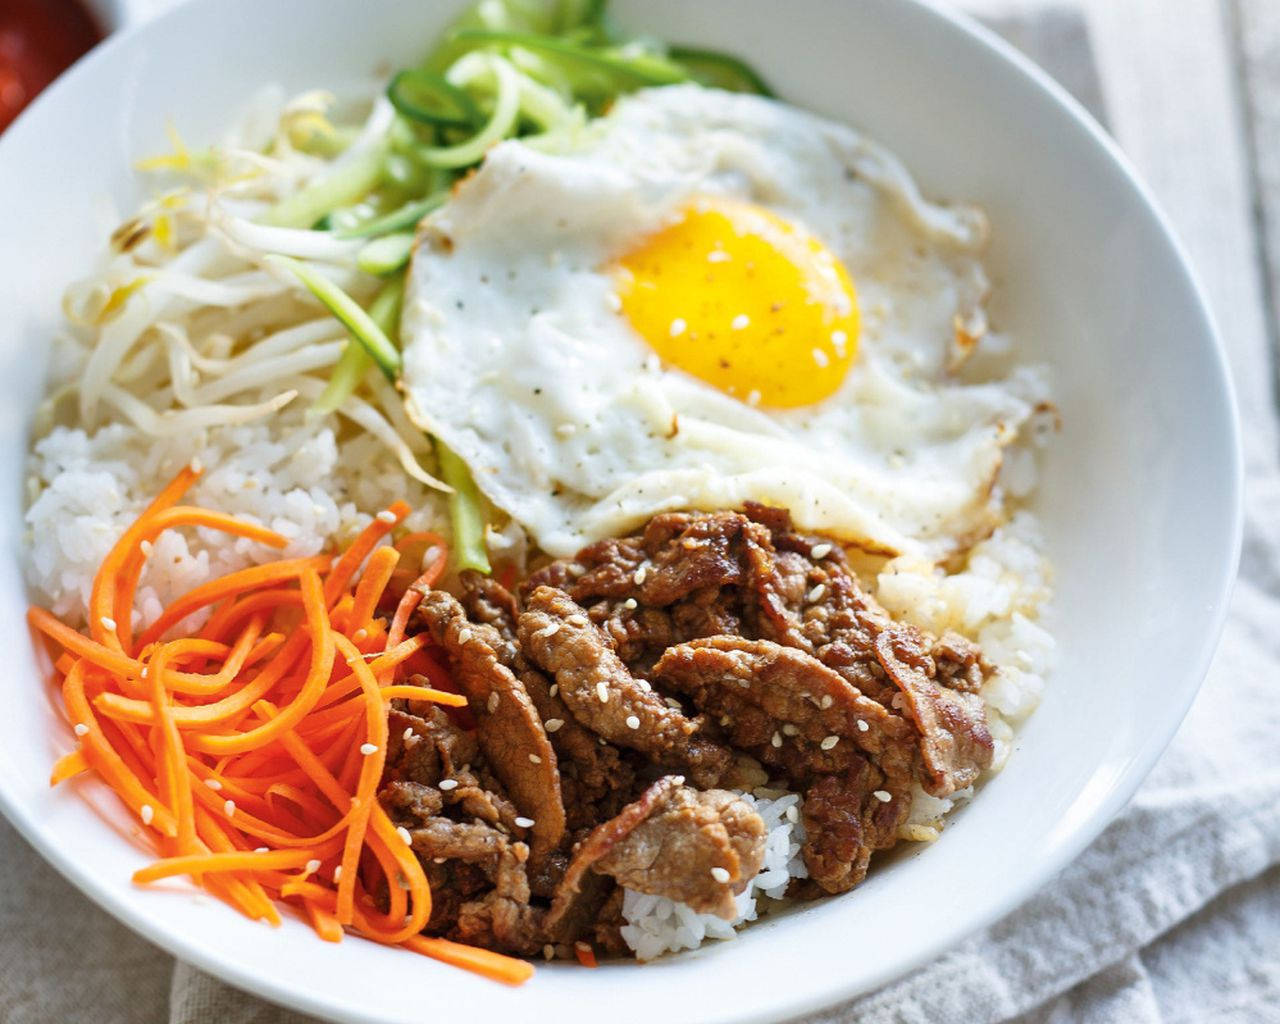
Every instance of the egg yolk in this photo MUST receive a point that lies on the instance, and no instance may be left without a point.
(744, 300)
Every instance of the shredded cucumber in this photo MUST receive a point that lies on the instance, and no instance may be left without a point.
(466, 512)
(506, 108)
(347, 311)
(345, 184)
(386, 255)
(355, 360)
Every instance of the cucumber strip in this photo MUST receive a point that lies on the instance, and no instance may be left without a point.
(387, 254)
(466, 512)
(506, 108)
(428, 99)
(341, 187)
(355, 361)
(722, 70)
(347, 311)
(406, 216)
(640, 68)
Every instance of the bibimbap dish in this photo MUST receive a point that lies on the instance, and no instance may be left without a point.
(565, 502)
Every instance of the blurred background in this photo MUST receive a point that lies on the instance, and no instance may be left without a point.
(1190, 89)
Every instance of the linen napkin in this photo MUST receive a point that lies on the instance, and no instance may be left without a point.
(1172, 915)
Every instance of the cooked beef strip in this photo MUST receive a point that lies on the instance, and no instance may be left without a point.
(785, 707)
(596, 781)
(509, 730)
(960, 663)
(956, 746)
(697, 848)
(736, 614)
(602, 695)
(428, 746)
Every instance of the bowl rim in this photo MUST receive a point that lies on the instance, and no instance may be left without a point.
(201, 955)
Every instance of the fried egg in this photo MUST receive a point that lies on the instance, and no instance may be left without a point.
(707, 298)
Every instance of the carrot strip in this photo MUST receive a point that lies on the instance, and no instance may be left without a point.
(453, 700)
(254, 577)
(255, 756)
(68, 766)
(372, 583)
(506, 969)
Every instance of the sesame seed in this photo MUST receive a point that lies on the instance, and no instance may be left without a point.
(566, 430)
(639, 576)
(677, 327)
(550, 630)
(827, 701)
(644, 685)
(524, 823)
(535, 759)
(360, 634)
(464, 635)
(313, 866)
(829, 742)
(387, 516)
(883, 795)
(753, 397)
(229, 807)
(673, 704)
(839, 339)
(552, 724)
(213, 784)
(633, 722)
(584, 946)
(821, 358)
(820, 551)
(745, 683)
(108, 624)
(196, 465)
(718, 256)
(146, 812)
(577, 620)
(789, 730)
(553, 689)
(720, 875)
(146, 547)
(740, 322)
(337, 874)
(262, 849)
(816, 593)
(791, 814)
(862, 726)
(602, 691)
(725, 720)
(368, 748)
(403, 833)
(448, 784)
(630, 604)
(678, 780)
(492, 702)
(81, 729)
(548, 952)
(146, 670)
(777, 739)
(408, 734)
(615, 302)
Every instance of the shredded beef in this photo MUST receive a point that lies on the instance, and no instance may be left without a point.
(955, 746)
(601, 693)
(509, 730)
(721, 642)
(697, 848)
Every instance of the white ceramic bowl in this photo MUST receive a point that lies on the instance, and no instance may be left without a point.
(1140, 497)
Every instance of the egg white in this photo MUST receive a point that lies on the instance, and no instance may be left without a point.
(516, 356)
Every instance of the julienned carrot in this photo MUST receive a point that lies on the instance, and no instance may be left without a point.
(251, 750)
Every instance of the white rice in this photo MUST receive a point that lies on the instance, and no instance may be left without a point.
(297, 475)
(657, 925)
